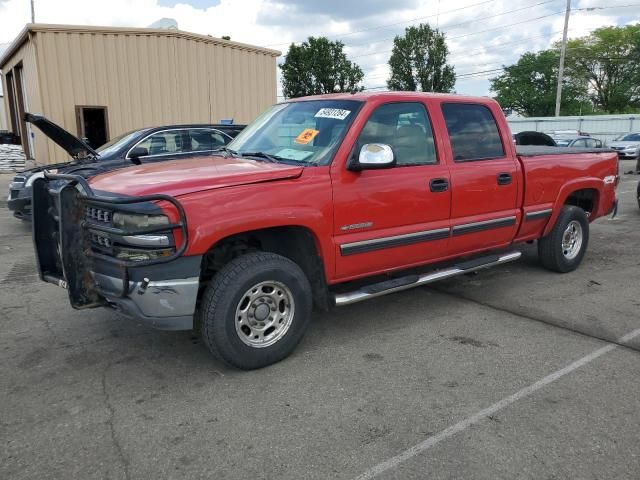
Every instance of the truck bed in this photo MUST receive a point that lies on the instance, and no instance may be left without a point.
(535, 150)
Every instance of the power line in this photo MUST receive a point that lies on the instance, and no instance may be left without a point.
(469, 34)
(502, 27)
(348, 45)
(493, 48)
(461, 23)
(378, 27)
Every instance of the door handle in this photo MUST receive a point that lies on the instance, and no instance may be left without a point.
(504, 179)
(439, 185)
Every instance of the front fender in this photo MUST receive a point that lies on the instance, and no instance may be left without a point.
(305, 202)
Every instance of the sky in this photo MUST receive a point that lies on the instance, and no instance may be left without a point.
(482, 35)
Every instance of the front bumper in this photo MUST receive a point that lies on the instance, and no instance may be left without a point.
(164, 304)
(19, 202)
(628, 154)
(161, 292)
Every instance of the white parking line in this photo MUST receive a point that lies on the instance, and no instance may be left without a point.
(481, 415)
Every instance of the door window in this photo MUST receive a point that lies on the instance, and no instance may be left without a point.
(580, 143)
(473, 132)
(405, 127)
(164, 143)
(205, 140)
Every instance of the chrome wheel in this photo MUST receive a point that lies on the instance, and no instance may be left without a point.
(572, 240)
(264, 314)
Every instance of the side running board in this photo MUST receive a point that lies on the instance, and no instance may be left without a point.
(404, 283)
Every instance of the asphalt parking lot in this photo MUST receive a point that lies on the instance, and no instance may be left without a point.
(512, 373)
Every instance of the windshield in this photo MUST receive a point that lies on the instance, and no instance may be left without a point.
(563, 143)
(116, 143)
(629, 137)
(307, 132)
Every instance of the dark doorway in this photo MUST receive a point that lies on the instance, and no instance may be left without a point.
(20, 102)
(93, 125)
(14, 124)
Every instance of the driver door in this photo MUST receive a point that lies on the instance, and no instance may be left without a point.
(395, 217)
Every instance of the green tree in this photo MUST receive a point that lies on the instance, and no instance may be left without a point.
(419, 61)
(529, 86)
(318, 66)
(609, 60)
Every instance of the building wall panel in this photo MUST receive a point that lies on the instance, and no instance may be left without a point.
(144, 80)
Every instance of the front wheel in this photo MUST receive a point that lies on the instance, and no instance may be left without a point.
(562, 250)
(256, 310)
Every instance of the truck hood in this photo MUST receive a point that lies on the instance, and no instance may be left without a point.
(72, 144)
(180, 177)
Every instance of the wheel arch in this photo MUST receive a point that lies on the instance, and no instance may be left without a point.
(296, 242)
(583, 193)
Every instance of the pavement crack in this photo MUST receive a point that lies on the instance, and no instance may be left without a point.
(546, 321)
(112, 412)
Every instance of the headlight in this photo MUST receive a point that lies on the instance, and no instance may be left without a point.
(139, 255)
(130, 222)
(133, 221)
(33, 178)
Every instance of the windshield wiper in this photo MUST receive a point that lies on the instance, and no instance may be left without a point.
(228, 151)
(268, 157)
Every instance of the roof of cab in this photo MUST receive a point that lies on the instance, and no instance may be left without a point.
(365, 96)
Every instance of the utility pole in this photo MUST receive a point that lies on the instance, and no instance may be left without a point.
(562, 52)
(33, 12)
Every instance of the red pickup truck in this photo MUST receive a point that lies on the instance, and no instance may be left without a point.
(322, 201)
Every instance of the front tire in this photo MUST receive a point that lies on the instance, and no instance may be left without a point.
(256, 310)
(562, 250)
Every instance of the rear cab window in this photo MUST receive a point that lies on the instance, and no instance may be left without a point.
(473, 132)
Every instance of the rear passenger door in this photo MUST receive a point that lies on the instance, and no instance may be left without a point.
(164, 145)
(203, 141)
(484, 180)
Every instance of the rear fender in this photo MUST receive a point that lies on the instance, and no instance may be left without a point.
(566, 190)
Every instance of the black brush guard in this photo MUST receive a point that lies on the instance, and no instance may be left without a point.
(63, 246)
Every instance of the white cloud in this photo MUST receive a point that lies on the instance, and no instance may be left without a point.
(507, 27)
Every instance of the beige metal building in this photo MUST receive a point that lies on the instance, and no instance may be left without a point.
(100, 82)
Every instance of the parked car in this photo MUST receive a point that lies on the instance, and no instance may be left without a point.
(628, 147)
(321, 201)
(533, 138)
(146, 145)
(579, 142)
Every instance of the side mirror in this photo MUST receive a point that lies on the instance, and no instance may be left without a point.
(373, 156)
(136, 153)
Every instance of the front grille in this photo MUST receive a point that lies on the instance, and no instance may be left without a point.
(98, 214)
(618, 148)
(13, 194)
(101, 240)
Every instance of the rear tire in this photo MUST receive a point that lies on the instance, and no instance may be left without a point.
(562, 250)
(256, 310)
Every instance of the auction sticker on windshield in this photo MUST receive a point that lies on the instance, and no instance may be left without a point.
(292, 154)
(335, 113)
(306, 136)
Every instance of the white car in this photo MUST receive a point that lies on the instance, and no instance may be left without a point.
(628, 147)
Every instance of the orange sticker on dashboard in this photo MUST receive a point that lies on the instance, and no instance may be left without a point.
(306, 136)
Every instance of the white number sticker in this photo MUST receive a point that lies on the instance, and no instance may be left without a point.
(335, 113)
